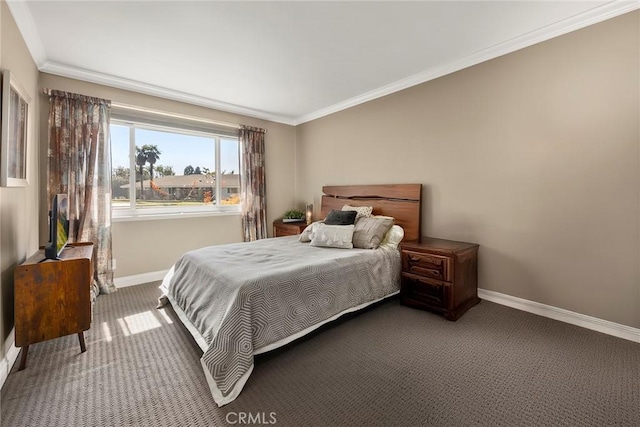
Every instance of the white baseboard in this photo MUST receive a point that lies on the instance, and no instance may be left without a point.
(138, 279)
(10, 355)
(593, 323)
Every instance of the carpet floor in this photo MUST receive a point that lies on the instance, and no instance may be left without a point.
(385, 366)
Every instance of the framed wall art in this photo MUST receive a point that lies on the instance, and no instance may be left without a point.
(15, 125)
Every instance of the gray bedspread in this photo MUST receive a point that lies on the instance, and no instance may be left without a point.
(248, 298)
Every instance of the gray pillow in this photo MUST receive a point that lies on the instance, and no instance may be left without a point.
(341, 218)
(369, 232)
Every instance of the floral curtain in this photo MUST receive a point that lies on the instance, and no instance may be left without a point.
(253, 189)
(80, 166)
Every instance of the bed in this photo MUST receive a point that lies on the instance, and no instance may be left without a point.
(243, 299)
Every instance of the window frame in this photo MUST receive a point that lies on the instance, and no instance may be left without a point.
(167, 212)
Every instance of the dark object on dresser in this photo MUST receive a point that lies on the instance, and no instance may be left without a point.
(440, 275)
(281, 229)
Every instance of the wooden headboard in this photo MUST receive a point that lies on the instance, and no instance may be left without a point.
(401, 201)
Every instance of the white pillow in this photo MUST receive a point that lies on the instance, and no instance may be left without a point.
(333, 236)
(393, 237)
(363, 211)
(307, 233)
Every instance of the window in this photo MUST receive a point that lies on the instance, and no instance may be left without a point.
(158, 169)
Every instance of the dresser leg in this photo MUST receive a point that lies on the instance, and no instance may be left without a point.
(83, 347)
(23, 359)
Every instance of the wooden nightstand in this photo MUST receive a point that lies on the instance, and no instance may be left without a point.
(288, 228)
(439, 275)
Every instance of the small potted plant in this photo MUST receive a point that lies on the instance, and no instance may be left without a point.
(293, 215)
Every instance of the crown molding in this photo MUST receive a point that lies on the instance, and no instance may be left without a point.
(149, 89)
(590, 17)
(24, 20)
(22, 15)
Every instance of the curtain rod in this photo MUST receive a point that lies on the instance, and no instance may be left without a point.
(173, 115)
(123, 106)
(73, 95)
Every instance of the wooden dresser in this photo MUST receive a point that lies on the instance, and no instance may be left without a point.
(288, 228)
(439, 275)
(53, 297)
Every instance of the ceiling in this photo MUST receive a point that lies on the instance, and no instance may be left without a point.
(289, 62)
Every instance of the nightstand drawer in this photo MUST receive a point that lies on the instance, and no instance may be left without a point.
(287, 230)
(422, 290)
(281, 229)
(428, 265)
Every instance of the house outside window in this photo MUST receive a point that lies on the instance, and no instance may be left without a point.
(161, 168)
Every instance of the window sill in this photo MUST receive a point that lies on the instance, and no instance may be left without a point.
(169, 215)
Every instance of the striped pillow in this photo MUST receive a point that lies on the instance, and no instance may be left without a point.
(369, 232)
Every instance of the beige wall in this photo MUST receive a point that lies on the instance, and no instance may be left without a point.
(166, 240)
(18, 206)
(146, 246)
(534, 155)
